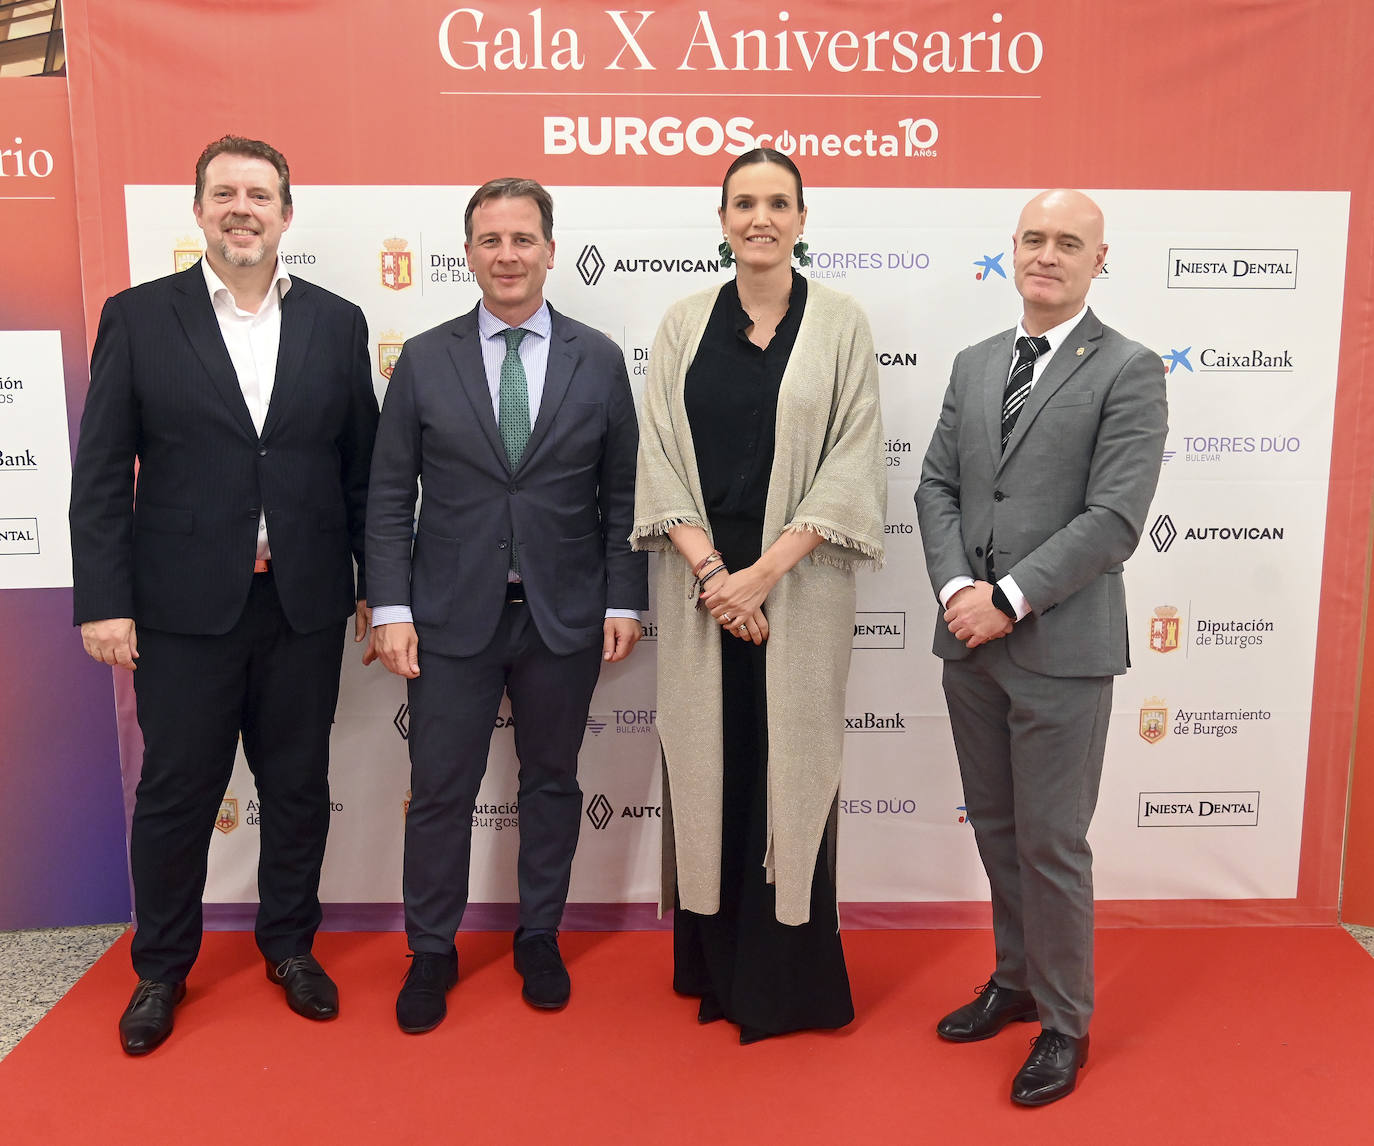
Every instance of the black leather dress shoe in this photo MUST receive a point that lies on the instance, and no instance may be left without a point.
(537, 958)
(1052, 1069)
(421, 1006)
(147, 1020)
(993, 1009)
(309, 991)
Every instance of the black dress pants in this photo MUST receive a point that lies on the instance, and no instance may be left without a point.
(196, 695)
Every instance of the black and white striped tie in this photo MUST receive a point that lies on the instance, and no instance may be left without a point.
(1019, 384)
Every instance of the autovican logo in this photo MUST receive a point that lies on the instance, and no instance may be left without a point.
(1232, 268)
(590, 264)
(599, 811)
(1198, 810)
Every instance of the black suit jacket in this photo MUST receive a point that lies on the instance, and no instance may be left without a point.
(569, 503)
(178, 555)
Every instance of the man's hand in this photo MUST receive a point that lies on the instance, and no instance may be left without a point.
(973, 618)
(621, 636)
(111, 642)
(397, 647)
(362, 621)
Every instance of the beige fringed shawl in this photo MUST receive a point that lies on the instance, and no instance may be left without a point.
(828, 477)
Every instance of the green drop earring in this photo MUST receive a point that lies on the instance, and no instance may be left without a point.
(727, 256)
(799, 253)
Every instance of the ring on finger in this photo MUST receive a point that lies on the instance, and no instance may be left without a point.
(726, 618)
(743, 625)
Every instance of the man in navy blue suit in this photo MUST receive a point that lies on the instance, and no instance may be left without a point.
(519, 579)
(244, 396)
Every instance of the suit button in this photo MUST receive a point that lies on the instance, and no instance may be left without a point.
(262, 453)
(978, 551)
(512, 489)
(501, 544)
(998, 496)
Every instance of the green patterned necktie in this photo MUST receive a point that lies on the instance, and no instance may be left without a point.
(514, 406)
(513, 416)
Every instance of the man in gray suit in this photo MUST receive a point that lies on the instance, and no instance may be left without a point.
(1033, 492)
(520, 424)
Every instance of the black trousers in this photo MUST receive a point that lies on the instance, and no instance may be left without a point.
(453, 707)
(196, 696)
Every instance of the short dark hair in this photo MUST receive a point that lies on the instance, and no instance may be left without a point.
(253, 149)
(762, 155)
(511, 188)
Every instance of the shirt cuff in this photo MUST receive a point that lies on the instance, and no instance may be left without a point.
(627, 614)
(390, 614)
(1015, 598)
(952, 586)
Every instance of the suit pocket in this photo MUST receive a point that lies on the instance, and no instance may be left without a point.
(578, 433)
(162, 518)
(581, 597)
(434, 577)
(1077, 398)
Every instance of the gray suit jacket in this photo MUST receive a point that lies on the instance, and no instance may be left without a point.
(569, 503)
(1064, 506)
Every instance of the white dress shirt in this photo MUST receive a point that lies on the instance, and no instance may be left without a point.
(252, 339)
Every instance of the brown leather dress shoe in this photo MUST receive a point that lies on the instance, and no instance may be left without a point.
(309, 991)
(993, 1009)
(1052, 1069)
(147, 1020)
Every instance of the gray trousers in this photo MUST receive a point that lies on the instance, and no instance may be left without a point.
(453, 707)
(1030, 751)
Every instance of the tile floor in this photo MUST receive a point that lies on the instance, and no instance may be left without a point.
(38, 967)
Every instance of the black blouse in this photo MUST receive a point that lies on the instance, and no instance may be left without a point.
(732, 401)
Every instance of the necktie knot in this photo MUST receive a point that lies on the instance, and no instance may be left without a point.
(513, 336)
(1031, 347)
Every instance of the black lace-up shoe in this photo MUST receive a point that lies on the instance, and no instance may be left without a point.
(421, 1005)
(1052, 1069)
(309, 991)
(537, 958)
(993, 1009)
(147, 1020)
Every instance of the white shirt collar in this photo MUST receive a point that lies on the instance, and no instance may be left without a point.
(489, 326)
(281, 281)
(1056, 334)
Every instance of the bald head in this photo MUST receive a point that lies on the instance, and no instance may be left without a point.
(1057, 252)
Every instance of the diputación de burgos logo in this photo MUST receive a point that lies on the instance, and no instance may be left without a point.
(911, 137)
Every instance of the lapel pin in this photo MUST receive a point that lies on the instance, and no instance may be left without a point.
(1079, 352)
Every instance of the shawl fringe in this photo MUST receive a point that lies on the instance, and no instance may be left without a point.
(861, 552)
(653, 535)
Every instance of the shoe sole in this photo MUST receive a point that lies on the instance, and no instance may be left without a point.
(421, 1030)
(543, 1006)
(1031, 1018)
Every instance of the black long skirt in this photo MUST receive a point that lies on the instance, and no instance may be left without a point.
(745, 966)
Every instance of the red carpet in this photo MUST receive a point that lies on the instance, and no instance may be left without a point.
(1247, 1035)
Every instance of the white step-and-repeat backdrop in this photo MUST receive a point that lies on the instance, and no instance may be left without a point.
(1202, 796)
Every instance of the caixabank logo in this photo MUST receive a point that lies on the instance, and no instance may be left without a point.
(1164, 533)
(1198, 810)
(875, 722)
(1232, 268)
(1226, 360)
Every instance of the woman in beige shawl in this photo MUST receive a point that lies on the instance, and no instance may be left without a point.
(762, 485)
